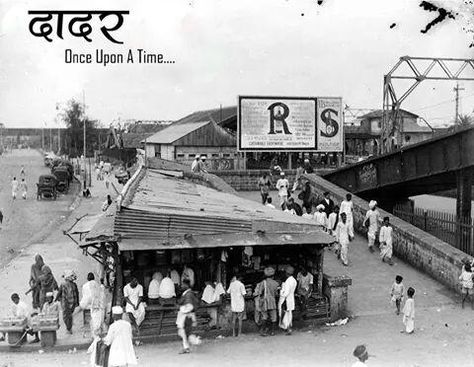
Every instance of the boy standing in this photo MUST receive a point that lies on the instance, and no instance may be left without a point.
(237, 302)
(466, 284)
(385, 239)
(409, 312)
(396, 293)
(343, 236)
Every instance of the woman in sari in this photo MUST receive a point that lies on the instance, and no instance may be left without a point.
(34, 280)
(47, 283)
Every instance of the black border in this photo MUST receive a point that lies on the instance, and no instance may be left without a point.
(239, 142)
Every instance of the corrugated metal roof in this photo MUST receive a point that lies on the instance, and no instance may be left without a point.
(227, 240)
(84, 224)
(165, 208)
(175, 131)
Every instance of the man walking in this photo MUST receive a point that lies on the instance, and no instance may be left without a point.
(68, 295)
(119, 337)
(265, 291)
(186, 318)
(23, 188)
(15, 185)
(264, 185)
(371, 222)
(286, 304)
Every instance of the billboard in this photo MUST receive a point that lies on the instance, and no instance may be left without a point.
(289, 124)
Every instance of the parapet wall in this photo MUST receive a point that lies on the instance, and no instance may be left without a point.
(420, 249)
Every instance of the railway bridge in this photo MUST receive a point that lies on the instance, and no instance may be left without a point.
(442, 163)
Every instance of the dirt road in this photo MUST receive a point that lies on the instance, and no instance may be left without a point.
(26, 221)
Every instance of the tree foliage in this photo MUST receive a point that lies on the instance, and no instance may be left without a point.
(74, 117)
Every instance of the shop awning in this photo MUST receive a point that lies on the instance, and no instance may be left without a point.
(316, 238)
(82, 226)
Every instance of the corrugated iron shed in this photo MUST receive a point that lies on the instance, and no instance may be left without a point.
(175, 131)
(168, 210)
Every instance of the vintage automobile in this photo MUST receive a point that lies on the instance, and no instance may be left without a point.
(47, 187)
(64, 178)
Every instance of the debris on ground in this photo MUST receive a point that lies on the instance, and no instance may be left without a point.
(339, 322)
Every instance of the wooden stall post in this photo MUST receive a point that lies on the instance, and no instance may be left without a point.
(320, 269)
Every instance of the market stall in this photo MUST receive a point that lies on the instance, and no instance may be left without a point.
(166, 223)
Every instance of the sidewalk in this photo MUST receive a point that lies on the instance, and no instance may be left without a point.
(60, 253)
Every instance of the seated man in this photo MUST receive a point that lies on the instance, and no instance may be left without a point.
(134, 306)
(50, 308)
(305, 285)
(167, 291)
(20, 310)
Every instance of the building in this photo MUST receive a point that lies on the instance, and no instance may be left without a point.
(200, 133)
(364, 139)
(171, 219)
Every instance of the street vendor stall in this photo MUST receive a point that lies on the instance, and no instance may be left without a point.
(169, 224)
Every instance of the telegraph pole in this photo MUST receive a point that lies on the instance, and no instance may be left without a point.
(84, 122)
(456, 113)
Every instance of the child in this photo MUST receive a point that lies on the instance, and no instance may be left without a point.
(385, 239)
(466, 284)
(343, 236)
(237, 302)
(409, 312)
(361, 354)
(396, 293)
(333, 220)
(320, 216)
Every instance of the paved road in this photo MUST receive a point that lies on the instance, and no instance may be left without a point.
(26, 221)
(442, 338)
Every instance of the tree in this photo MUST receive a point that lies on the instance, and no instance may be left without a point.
(74, 117)
(465, 120)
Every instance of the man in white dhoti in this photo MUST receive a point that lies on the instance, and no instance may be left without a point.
(371, 222)
(119, 337)
(286, 304)
(134, 307)
(15, 185)
(409, 312)
(344, 235)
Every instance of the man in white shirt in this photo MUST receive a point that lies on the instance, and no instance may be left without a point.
(237, 302)
(15, 185)
(305, 283)
(19, 308)
(347, 206)
(167, 289)
(119, 337)
(88, 289)
(282, 186)
(286, 304)
(195, 164)
(135, 308)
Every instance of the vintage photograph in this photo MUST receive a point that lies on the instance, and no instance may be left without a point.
(236, 183)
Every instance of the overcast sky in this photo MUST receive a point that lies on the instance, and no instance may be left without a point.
(224, 48)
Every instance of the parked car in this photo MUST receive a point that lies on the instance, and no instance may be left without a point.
(47, 187)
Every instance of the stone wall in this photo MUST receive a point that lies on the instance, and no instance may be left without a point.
(420, 249)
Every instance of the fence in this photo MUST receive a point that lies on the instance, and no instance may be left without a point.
(458, 232)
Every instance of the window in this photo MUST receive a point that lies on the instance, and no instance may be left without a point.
(191, 155)
(215, 155)
(226, 155)
(180, 155)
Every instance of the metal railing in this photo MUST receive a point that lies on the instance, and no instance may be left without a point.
(458, 232)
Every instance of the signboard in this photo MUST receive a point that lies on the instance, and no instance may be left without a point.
(289, 124)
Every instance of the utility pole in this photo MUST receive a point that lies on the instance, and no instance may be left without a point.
(50, 140)
(456, 113)
(42, 138)
(84, 122)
